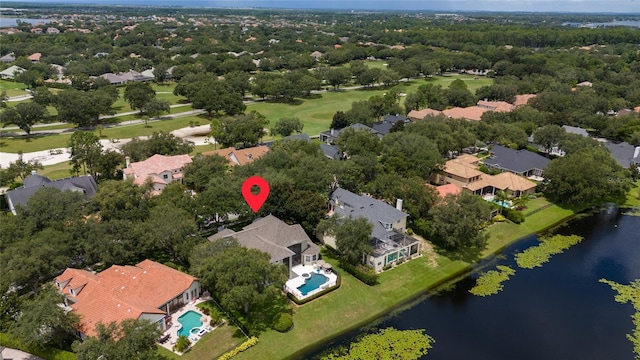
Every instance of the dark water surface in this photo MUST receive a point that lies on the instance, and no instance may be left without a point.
(558, 311)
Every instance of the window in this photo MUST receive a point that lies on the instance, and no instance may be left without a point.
(71, 291)
(315, 257)
(165, 176)
(388, 226)
(187, 294)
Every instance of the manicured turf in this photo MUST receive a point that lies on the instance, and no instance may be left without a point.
(355, 303)
(56, 171)
(211, 346)
(13, 88)
(633, 197)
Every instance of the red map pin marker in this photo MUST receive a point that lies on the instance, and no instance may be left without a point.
(255, 201)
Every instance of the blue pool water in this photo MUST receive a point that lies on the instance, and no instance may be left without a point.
(312, 283)
(189, 320)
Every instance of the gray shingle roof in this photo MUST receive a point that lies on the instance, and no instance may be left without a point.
(271, 235)
(331, 151)
(351, 205)
(518, 161)
(331, 135)
(624, 153)
(33, 183)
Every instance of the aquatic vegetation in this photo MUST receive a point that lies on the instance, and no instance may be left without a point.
(389, 343)
(490, 282)
(537, 255)
(629, 293)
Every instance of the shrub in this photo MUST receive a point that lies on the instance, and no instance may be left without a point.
(283, 322)
(513, 215)
(243, 347)
(361, 272)
(499, 218)
(182, 343)
(205, 310)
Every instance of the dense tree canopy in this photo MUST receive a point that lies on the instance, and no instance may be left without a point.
(456, 221)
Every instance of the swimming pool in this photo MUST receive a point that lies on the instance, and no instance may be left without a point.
(189, 320)
(312, 283)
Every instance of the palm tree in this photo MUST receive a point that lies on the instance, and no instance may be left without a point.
(501, 199)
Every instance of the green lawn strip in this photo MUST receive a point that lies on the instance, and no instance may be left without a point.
(352, 305)
(633, 196)
(45, 142)
(211, 345)
(56, 171)
(47, 353)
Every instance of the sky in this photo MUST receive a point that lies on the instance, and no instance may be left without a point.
(590, 6)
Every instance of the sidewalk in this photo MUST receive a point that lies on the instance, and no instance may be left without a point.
(13, 354)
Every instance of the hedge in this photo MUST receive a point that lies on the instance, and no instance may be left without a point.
(513, 215)
(365, 276)
(253, 341)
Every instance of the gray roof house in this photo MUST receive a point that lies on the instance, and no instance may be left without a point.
(331, 151)
(331, 135)
(286, 244)
(19, 196)
(384, 126)
(624, 153)
(11, 72)
(9, 58)
(520, 162)
(388, 238)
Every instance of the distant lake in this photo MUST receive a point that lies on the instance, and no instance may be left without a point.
(630, 23)
(558, 311)
(11, 22)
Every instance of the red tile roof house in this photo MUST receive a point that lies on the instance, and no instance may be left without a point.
(148, 290)
(161, 169)
(240, 156)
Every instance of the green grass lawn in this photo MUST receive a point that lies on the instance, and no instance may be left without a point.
(13, 88)
(356, 303)
(633, 196)
(44, 142)
(56, 171)
(211, 346)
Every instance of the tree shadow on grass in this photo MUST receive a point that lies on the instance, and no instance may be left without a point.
(261, 318)
(469, 254)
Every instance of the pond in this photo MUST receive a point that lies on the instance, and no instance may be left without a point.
(558, 311)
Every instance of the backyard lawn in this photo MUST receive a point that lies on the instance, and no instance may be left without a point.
(356, 303)
(211, 346)
(13, 88)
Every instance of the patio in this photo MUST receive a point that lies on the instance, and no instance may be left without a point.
(170, 336)
(301, 273)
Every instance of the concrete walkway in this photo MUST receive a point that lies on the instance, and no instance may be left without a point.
(13, 354)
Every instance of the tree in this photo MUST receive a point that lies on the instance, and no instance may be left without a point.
(160, 73)
(337, 77)
(155, 107)
(409, 154)
(42, 322)
(456, 221)
(353, 239)
(584, 178)
(81, 107)
(138, 94)
(130, 339)
(244, 279)
(85, 151)
(159, 143)
(216, 96)
(239, 81)
(247, 129)
(24, 116)
(287, 126)
(295, 206)
(360, 142)
(22, 169)
(171, 230)
(107, 164)
(549, 136)
(340, 120)
(199, 172)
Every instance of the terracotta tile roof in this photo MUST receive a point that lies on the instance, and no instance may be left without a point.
(473, 113)
(498, 106)
(241, 156)
(467, 159)
(154, 166)
(421, 114)
(35, 57)
(523, 99)
(121, 292)
(448, 189)
(637, 109)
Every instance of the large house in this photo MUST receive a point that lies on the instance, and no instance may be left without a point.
(624, 153)
(240, 156)
(85, 185)
(286, 244)
(148, 290)
(463, 172)
(417, 115)
(11, 72)
(159, 169)
(332, 135)
(520, 162)
(389, 239)
(384, 127)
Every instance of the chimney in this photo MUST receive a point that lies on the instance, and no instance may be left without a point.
(399, 204)
(127, 162)
(332, 132)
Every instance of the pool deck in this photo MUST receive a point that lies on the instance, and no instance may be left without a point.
(172, 331)
(293, 284)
